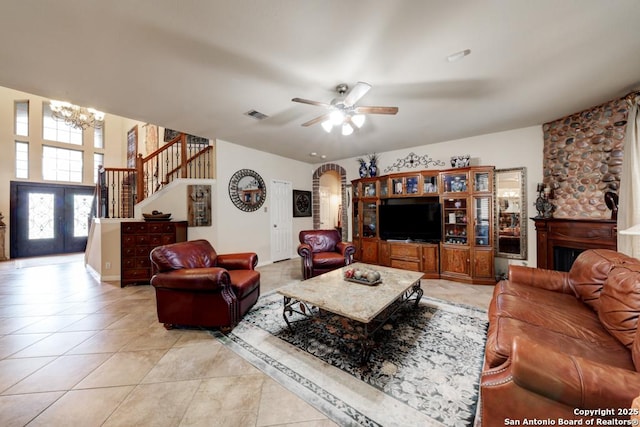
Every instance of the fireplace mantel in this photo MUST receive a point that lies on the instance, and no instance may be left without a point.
(574, 234)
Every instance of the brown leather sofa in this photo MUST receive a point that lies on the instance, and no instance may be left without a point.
(195, 286)
(323, 251)
(562, 344)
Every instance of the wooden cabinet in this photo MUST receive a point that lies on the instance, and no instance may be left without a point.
(465, 252)
(369, 251)
(137, 239)
(422, 257)
(467, 221)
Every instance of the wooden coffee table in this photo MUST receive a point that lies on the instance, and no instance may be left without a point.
(371, 306)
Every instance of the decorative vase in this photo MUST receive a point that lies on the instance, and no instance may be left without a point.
(373, 169)
(363, 170)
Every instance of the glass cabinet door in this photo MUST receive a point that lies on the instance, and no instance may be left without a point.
(384, 188)
(356, 219)
(397, 186)
(482, 182)
(481, 220)
(430, 184)
(412, 185)
(455, 182)
(455, 221)
(369, 189)
(369, 219)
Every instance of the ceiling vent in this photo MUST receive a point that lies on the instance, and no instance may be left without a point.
(256, 115)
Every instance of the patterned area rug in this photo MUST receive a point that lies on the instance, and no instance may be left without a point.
(424, 369)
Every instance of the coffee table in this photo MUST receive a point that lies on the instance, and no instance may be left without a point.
(370, 306)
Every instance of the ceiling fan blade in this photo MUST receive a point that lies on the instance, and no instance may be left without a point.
(376, 110)
(308, 101)
(318, 119)
(356, 92)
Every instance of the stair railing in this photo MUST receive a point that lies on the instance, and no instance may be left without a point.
(119, 189)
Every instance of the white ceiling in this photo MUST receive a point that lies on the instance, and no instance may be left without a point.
(198, 66)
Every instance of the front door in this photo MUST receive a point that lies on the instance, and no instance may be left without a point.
(48, 219)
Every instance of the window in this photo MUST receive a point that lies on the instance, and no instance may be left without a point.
(22, 159)
(22, 118)
(59, 164)
(98, 137)
(98, 160)
(56, 130)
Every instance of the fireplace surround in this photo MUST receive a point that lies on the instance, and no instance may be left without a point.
(560, 240)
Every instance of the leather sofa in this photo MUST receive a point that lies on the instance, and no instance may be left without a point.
(195, 286)
(561, 344)
(323, 251)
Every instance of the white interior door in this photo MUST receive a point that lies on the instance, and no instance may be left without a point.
(281, 220)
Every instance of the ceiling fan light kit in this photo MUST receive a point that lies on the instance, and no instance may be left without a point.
(342, 110)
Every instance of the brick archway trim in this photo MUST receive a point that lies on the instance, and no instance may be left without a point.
(316, 195)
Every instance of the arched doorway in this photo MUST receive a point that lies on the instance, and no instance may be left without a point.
(342, 176)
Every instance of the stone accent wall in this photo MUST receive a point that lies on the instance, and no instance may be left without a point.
(583, 159)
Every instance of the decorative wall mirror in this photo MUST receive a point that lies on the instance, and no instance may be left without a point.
(511, 213)
(247, 190)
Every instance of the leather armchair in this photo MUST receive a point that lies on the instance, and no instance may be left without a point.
(197, 287)
(323, 251)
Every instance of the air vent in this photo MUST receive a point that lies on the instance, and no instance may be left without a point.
(256, 115)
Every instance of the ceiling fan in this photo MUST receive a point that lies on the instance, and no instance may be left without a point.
(343, 111)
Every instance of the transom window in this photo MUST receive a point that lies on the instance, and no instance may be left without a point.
(60, 164)
(56, 130)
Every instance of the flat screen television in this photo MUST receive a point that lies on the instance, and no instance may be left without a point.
(411, 219)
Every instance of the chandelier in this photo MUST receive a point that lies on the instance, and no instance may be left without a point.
(78, 117)
(346, 119)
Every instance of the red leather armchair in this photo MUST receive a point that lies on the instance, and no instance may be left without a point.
(323, 251)
(197, 287)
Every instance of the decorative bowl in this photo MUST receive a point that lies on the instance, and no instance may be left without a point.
(156, 216)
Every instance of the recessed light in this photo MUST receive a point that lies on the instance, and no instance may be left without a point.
(313, 154)
(458, 55)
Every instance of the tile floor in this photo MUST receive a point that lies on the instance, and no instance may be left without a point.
(74, 351)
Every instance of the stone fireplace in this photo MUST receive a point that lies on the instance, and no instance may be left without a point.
(582, 161)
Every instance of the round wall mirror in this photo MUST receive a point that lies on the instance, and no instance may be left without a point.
(247, 190)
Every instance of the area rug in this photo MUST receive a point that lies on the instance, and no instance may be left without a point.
(424, 370)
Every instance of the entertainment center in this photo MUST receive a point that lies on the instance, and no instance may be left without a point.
(436, 222)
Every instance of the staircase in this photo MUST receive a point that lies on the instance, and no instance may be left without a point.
(119, 189)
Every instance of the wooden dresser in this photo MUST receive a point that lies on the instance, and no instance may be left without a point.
(137, 239)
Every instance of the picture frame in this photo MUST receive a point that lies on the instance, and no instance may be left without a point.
(302, 203)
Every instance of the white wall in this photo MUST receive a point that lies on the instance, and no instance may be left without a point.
(238, 231)
(509, 149)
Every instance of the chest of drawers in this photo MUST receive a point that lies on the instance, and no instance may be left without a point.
(137, 239)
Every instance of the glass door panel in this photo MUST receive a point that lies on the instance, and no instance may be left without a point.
(481, 181)
(481, 220)
(369, 219)
(455, 221)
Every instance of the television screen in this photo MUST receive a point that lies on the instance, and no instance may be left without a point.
(410, 220)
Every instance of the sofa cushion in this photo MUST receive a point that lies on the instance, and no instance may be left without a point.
(327, 260)
(503, 330)
(574, 319)
(320, 240)
(589, 272)
(193, 254)
(243, 282)
(620, 302)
